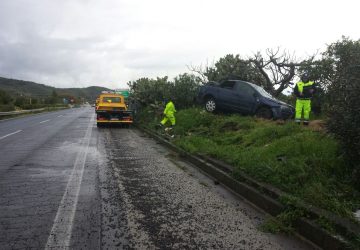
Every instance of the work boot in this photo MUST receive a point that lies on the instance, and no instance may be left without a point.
(298, 122)
(306, 123)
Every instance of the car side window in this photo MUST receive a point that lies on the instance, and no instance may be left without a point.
(244, 89)
(227, 85)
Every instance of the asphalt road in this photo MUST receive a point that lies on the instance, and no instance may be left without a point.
(65, 184)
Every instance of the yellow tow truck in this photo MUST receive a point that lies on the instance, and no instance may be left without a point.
(112, 109)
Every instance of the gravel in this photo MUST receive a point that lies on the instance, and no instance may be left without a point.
(157, 201)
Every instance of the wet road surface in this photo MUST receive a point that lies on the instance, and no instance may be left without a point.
(65, 184)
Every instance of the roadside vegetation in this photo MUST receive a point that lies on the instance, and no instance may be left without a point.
(306, 163)
(12, 103)
(318, 165)
(33, 105)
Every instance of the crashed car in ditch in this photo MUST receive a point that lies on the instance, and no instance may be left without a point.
(243, 97)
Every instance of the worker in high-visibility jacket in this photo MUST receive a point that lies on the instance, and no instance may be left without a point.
(169, 113)
(303, 91)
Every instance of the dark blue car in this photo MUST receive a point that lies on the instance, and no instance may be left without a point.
(243, 97)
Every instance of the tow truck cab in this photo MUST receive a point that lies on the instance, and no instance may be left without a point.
(111, 108)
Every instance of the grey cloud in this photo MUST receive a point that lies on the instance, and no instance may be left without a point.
(48, 56)
(72, 42)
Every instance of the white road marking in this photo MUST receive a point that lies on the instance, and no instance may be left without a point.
(44, 121)
(10, 134)
(60, 234)
(60, 115)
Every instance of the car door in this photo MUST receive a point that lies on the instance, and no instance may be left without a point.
(227, 95)
(246, 99)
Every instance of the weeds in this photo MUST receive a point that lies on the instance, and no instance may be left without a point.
(306, 164)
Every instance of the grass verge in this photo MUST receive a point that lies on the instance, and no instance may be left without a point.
(306, 164)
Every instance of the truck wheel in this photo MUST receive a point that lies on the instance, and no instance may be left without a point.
(210, 105)
(264, 112)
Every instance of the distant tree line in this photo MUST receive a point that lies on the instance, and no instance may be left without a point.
(27, 94)
(10, 103)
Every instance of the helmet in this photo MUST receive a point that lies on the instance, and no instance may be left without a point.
(305, 77)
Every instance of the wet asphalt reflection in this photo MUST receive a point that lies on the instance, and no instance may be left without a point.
(66, 184)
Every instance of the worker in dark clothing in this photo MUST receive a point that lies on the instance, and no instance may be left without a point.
(303, 91)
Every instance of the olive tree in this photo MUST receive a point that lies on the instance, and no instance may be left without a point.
(273, 70)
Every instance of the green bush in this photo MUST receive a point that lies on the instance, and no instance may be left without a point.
(5, 98)
(182, 91)
(7, 108)
(344, 93)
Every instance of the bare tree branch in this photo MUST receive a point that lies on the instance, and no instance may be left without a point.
(258, 61)
(200, 71)
(278, 68)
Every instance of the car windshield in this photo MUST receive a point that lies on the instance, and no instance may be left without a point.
(112, 99)
(262, 91)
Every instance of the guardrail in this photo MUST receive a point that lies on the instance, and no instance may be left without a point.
(20, 112)
(266, 197)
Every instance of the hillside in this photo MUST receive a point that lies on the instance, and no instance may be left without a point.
(90, 93)
(32, 89)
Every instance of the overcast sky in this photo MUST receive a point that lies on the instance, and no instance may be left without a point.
(79, 43)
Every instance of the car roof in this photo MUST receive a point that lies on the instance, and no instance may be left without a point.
(231, 80)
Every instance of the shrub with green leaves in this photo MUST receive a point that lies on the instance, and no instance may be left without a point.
(182, 90)
(344, 94)
(7, 108)
(5, 98)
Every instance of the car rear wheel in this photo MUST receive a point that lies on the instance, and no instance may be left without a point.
(264, 112)
(210, 105)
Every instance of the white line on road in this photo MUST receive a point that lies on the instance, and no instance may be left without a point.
(60, 234)
(10, 134)
(60, 115)
(44, 121)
